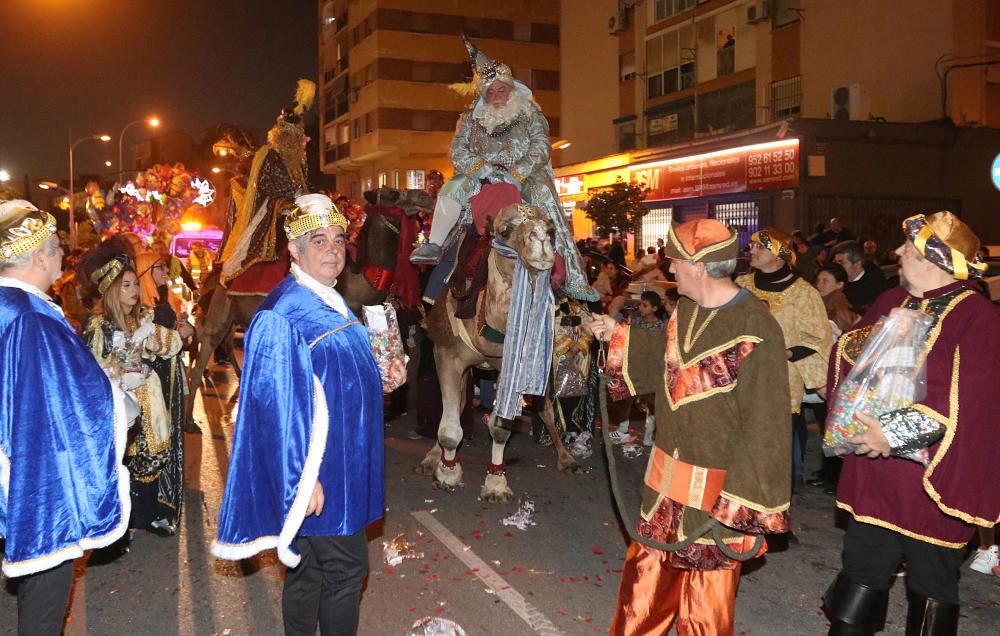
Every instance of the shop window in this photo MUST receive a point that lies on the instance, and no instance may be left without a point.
(656, 225)
(743, 217)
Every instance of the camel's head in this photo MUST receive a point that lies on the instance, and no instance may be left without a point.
(529, 231)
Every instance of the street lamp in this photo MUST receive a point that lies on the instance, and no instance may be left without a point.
(72, 145)
(153, 123)
(4, 176)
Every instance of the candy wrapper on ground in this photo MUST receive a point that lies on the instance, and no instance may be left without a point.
(398, 550)
(387, 345)
(525, 515)
(436, 626)
(889, 374)
(578, 445)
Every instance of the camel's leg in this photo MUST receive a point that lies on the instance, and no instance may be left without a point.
(564, 461)
(495, 488)
(218, 320)
(452, 376)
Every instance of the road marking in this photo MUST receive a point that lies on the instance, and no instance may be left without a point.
(528, 612)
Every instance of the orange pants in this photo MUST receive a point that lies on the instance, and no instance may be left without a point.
(653, 596)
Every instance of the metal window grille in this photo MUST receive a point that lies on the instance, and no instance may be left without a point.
(655, 225)
(784, 97)
(741, 216)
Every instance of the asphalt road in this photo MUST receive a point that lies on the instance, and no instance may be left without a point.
(559, 576)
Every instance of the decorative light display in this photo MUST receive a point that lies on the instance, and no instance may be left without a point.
(206, 194)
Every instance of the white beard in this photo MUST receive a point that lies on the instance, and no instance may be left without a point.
(492, 118)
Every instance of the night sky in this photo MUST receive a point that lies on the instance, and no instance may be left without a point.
(95, 65)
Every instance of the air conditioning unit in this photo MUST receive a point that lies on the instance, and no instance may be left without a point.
(847, 102)
(758, 12)
(618, 23)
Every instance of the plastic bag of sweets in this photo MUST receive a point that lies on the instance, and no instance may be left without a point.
(387, 345)
(889, 374)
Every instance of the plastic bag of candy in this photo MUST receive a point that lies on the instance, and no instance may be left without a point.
(889, 374)
(387, 345)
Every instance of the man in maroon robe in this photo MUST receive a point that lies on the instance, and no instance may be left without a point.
(901, 509)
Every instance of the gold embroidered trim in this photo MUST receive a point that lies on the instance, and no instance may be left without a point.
(951, 427)
(475, 167)
(672, 237)
(714, 350)
(890, 526)
(753, 505)
(701, 396)
(625, 374)
(333, 331)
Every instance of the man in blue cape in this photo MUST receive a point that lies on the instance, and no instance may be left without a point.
(306, 473)
(63, 488)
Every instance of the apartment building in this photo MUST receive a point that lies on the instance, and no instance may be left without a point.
(790, 112)
(387, 115)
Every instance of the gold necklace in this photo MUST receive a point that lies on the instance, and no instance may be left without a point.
(688, 341)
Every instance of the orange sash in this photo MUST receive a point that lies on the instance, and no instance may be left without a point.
(684, 483)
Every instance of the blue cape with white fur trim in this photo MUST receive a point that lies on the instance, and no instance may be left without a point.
(310, 408)
(63, 488)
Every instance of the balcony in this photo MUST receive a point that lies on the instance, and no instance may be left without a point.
(336, 153)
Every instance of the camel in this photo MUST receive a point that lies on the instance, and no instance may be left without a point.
(458, 347)
(378, 245)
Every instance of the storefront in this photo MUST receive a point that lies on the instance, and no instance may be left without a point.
(796, 174)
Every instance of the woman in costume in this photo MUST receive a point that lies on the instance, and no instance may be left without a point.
(142, 357)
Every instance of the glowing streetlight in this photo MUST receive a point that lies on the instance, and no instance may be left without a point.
(4, 176)
(108, 163)
(215, 170)
(152, 122)
(72, 145)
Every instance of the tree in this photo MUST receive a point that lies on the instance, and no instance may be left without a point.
(618, 206)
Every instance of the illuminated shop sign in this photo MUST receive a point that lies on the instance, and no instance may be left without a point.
(773, 165)
(569, 185)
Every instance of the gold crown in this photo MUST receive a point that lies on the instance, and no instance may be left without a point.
(31, 233)
(311, 212)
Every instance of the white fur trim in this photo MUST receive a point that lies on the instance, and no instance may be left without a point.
(310, 475)
(238, 551)
(49, 561)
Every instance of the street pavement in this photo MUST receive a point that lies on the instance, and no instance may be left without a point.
(559, 576)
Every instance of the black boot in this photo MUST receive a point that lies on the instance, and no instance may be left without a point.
(855, 609)
(930, 617)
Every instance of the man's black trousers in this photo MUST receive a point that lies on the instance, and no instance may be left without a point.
(326, 586)
(42, 600)
(872, 554)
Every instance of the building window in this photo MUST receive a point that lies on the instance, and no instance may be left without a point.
(328, 22)
(395, 179)
(654, 85)
(383, 179)
(726, 52)
(414, 179)
(626, 136)
(785, 12)
(663, 9)
(343, 133)
(626, 66)
(368, 184)
(785, 97)
(728, 109)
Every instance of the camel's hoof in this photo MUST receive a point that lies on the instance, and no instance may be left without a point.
(574, 468)
(447, 478)
(496, 490)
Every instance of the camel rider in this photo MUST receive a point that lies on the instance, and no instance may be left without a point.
(199, 262)
(278, 174)
(502, 138)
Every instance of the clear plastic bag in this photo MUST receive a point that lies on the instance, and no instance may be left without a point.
(387, 345)
(889, 374)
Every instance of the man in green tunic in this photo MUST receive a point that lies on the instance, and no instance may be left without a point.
(720, 457)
